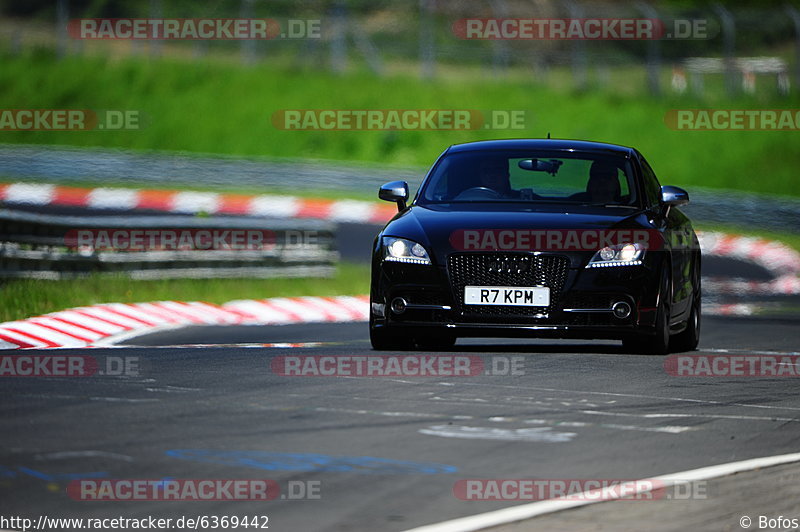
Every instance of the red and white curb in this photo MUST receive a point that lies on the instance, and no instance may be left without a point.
(188, 202)
(106, 324)
(777, 258)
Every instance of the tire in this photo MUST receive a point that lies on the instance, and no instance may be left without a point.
(690, 337)
(657, 343)
(383, 339)
(435, 341)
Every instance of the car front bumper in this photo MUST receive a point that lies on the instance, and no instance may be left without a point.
(581, 302)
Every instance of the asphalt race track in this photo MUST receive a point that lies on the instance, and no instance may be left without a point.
(383, 453)
(579, 411)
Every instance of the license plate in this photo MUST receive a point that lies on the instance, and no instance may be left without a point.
(518, 296)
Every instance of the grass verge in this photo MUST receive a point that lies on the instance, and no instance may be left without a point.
(25, 298)
(228, 109)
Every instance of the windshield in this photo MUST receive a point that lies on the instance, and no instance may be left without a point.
(530, 176)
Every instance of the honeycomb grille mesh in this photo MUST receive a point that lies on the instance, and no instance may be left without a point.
(505, 269)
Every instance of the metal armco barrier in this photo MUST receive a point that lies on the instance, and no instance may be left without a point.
(39, 246)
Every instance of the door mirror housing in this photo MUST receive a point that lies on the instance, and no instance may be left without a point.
(396, 191)
(674, 196)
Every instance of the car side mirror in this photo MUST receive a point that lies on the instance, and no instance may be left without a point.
(396, 191)
(674, 196)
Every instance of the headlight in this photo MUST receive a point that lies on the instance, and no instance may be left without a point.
(618, 255)
(402, 250)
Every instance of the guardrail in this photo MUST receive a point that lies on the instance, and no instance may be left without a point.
(35, 165)
(40, 246)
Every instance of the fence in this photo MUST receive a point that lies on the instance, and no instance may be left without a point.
(419, 35)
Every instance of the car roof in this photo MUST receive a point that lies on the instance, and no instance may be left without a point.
(543, 144)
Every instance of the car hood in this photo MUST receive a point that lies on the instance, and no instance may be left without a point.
(434, 226)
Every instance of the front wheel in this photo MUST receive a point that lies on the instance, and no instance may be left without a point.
(435, 341)
(658, 342)
(383, 339)
(688, 339)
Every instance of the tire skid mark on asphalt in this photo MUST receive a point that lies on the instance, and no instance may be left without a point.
(172, 389)
(91, 398)
(379, 412)
(350, 411)
(92, 453)
(534, 435)
(634, 396)
(544, 407)
(669, 429)
(549, 406)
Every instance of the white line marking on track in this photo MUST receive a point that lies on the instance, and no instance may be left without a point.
(714, 416)
(535, 509)
(749, 352)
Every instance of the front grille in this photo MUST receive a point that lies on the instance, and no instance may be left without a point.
(505, 269)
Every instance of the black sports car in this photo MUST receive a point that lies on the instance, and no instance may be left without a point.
(537, 238)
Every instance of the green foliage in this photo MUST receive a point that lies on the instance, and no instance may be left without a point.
(24, 298)
(221, 107)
